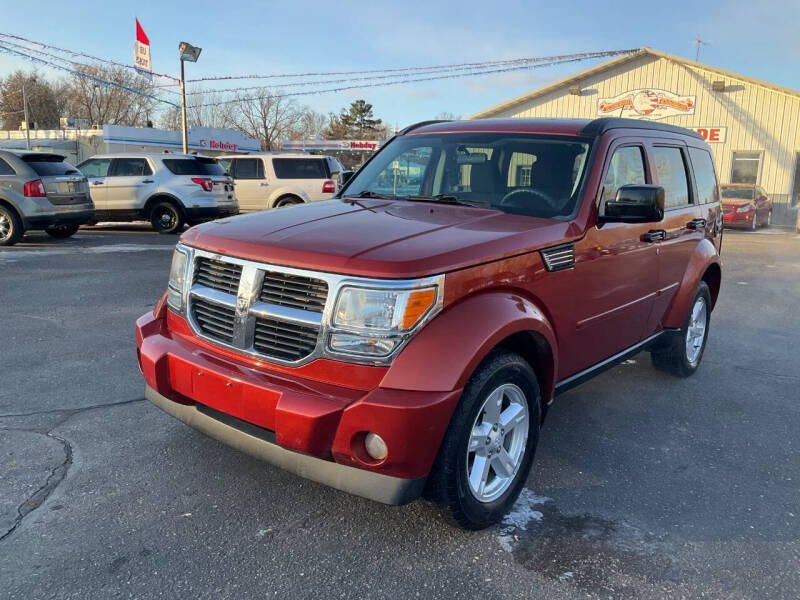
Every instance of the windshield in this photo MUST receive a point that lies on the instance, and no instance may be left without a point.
(737, 193)
(525, 174)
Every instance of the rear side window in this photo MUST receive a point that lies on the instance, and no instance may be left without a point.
(300, 168)
(48, 166)
(626, 168)
(95, 167)
(130, 167)
(248, 168)
(193, 166)
(671, 172)
(704, 176)
(5, 168)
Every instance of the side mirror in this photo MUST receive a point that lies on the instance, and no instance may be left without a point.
(345, 176)
(635, 204)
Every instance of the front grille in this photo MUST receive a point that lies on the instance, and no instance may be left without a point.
(214, 320)
(284, 340)
(294, 291)
(218, 275)
(726, 210)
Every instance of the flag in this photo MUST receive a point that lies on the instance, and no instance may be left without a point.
(141, 53)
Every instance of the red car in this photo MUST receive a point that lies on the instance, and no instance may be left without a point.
(745, 205)
(408, 336)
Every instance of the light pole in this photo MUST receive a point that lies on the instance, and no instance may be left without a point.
(190, 53)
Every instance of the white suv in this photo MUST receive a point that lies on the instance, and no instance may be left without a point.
(272, 180)
(166, 189)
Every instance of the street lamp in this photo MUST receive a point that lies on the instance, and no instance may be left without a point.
(190, 53)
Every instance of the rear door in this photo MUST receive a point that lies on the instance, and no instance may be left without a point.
(683, 224)
(129, 183)
(307, 174)
(251, 183)
(95, 170)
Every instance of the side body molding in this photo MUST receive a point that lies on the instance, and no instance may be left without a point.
(446, 352)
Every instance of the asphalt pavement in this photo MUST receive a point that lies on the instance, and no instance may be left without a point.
(644, 486)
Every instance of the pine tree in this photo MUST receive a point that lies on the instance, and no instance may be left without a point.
(358, 122)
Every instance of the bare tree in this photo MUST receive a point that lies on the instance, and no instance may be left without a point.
(267, 116)
(45, 102)
(101, 103)
(312, 124)
(203, 109)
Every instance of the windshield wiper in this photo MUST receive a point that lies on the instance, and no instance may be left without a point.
(370, 194)
(447, 199)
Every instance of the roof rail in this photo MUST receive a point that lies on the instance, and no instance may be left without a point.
(599, 126)
(421, 124)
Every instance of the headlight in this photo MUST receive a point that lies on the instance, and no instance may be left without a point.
(375, 322)
(177, 279)
(745, 208)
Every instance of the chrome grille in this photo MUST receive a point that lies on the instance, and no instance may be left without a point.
(217, 275)
(284, 340)
(294, 291)
(559, 257)
(214, 320)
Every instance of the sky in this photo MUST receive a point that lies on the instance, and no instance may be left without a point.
(302, 36)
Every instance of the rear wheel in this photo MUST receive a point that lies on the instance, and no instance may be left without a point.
(166, 217)
(684, 351)
(287, 201)
(488, 449)
(62, 231)
(10, 227)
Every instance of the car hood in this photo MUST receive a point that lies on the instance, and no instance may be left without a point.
(378, 238)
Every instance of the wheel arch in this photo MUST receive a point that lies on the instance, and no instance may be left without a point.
(162, 197)
(713, 278)
(704, 265)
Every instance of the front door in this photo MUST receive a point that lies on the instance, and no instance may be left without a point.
(129, 184)
(251, 185)
(96, 170)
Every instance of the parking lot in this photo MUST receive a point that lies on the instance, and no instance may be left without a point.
(644, 485)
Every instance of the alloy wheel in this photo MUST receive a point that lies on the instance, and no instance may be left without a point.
(696, 331)
(5, 227)
(497, 442)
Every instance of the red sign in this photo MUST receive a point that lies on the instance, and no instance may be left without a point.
(217, 145)
(713, 135)
(141, 52)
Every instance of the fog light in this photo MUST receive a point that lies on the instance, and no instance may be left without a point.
(375, 446)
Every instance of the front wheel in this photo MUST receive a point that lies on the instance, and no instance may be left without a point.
(166, 218)
(10, 227)
(682, 355)
(488, 449)
(62, 231)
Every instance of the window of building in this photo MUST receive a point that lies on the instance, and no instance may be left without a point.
(626, 168)
(130, 167)
(703, 175)
(671, 172)
(745, 167)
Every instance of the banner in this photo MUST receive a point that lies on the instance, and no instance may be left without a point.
(646, 103)
(141, 53)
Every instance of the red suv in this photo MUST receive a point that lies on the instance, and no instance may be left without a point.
(409, 335)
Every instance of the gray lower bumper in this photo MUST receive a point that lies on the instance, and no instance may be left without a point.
(375, 486)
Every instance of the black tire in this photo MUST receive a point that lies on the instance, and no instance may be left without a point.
(672, 357)
(448, 482)
(11, 230)
(62, 231)
(166, 217)
(287, 201)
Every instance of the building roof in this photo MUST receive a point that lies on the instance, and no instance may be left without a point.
(645, 51)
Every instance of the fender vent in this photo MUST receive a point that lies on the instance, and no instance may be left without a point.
(559, 258)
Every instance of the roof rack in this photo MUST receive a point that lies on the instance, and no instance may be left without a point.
(599, 126)
(421, 124)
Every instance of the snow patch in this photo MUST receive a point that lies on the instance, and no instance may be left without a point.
(522, 513)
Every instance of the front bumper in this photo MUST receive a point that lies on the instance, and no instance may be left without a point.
(310, 420)
(734, 219)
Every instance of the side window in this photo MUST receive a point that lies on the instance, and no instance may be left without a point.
(300, 168)
(5, 168)
(626, 168)
(95, 167)
(671, 172)
(249, 168)
(704, 176)
(130, 167)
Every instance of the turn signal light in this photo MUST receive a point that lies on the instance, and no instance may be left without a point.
(418, 303)
(34, 189)
(329, 187)
(204, 182)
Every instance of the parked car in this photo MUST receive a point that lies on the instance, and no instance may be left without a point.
(745, 205)
(394, 345)
(169, 190)
(41, 190)
(266, 181)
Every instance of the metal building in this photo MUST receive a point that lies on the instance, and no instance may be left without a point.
(752, 126)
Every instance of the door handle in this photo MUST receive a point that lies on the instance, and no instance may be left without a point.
(696, 224)
(147, 181)
(98, 182)
(654, 235)
(264, 184)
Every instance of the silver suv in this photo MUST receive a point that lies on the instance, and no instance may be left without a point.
(41, 190)
(266, 181)
(167, 189)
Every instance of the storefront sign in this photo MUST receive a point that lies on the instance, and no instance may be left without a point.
(645, 103)
(348, 145)
(218, 145)
(713, 135)
(141, 53)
